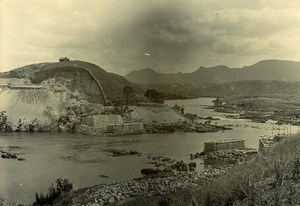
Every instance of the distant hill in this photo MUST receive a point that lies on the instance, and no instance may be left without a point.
(243, 88)
(81, 79)
(278, 70)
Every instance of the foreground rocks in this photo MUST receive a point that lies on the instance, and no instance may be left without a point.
(123, 191)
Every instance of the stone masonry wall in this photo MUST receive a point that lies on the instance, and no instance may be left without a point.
(212, 146)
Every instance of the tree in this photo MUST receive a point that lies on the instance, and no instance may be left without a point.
(3, 120)
(129, 95)
(154, 96)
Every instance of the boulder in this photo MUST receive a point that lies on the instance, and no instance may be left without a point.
(180, 166)
(192, 164)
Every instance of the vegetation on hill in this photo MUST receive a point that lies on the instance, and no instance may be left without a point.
(112, 84)
(154, 96)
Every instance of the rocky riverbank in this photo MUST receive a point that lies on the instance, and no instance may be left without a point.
(124, 191)
(282, 109)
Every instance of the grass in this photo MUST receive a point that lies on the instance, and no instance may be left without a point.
(273, 179)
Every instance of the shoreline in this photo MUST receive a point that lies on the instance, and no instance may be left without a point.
(120, 192)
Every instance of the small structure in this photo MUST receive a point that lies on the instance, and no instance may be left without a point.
(112, 124)
(101, 121)
(64, 59)
(126, 128)
(226, 144)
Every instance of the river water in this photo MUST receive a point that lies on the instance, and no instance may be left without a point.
(81, 159)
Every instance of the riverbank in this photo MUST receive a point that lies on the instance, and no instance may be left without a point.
(279, 108)
(172, 178)
(272, 179)
(122, 192)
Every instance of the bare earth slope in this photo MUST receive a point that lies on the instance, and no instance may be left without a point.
(43, 106)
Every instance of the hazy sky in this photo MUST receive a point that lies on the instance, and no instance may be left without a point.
(178, 35)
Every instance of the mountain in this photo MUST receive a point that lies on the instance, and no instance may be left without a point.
(97, 84)
(277, 70)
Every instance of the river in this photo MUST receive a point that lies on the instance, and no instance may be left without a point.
(81, 159)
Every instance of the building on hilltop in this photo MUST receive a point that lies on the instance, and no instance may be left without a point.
(64, 59)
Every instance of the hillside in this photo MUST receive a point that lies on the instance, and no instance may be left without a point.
(82, 75)
(278, 70)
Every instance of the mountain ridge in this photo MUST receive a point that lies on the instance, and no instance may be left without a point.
(273, 69)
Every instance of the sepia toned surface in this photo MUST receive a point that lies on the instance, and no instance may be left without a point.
(158, 102)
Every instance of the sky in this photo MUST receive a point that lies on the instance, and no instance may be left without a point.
(166, 35)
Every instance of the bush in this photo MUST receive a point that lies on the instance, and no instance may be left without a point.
(154, 96)
(3, 120)
(63, 187)
(48, 199)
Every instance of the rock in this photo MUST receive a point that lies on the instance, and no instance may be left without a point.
(166, 159)
(5, 156)
(103, 176)
(133, 152)
(13, 156)
(167, 169)
(8, 128)
(184, 168)
(9, 156)
(192, 164)
(117, 152)
(150, 171)
(180, 166)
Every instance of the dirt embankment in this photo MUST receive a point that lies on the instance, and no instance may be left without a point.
(42, 107)
(27, 106)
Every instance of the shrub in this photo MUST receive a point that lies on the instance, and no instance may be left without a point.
(3, 120)
(63, 187)
(48, 199)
